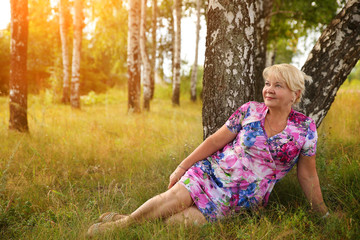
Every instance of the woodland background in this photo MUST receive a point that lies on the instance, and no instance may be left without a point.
(78, 162)
(104, 42)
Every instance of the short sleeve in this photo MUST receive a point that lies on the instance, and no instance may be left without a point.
(235, 120)
(309, 147)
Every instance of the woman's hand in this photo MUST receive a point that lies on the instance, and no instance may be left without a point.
(175, 176)
(212, 144)
(309, 182)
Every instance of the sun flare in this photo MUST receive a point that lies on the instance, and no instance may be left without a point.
(4, 14)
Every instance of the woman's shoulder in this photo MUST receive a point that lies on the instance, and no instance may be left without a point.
(301, 120)
(254, 111)
(250, 111)
(254, 106)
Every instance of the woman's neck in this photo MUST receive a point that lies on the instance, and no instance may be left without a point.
(279, 114)
(276, 121)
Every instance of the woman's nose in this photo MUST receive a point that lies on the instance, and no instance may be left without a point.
(270, 89)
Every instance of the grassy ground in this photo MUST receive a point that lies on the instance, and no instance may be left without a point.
(74, 165)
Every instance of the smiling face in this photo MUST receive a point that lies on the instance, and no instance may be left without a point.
(277, 94)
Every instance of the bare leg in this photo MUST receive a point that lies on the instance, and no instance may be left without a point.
(174, 200)
(191, 215)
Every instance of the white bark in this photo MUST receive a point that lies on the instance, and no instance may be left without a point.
(154, 47)
(177, 53)
(235, 48)
(133, 57)
(65, 50)
(331, 60)
(234, 58)
(270, 56)
(195, 66)
(145, 59)
(75, 79)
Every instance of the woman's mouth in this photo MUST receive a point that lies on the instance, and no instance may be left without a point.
(269, 98)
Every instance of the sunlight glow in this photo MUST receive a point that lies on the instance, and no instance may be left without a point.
(5, 16)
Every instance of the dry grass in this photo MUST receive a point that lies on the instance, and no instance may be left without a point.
(75, 165)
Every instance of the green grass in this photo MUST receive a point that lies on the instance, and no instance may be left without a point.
(76, 164)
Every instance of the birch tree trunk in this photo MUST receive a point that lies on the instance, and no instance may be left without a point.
(271, 55)
(154, 47)
(75, 79)
(234, 57)
(145, 59)
(18, 70)
(133, 58)
(64, 24)
(195, 66)
(177, 53)
(172, 34)
(331, 60)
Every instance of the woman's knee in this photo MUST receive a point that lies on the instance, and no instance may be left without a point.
(178, 193)
(189, 216)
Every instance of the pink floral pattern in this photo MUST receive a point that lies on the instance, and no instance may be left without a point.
(244, 172)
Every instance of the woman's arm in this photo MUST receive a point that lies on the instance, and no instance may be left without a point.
(309, 181)
(213, 143)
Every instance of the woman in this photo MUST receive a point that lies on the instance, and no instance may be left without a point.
(238, 166)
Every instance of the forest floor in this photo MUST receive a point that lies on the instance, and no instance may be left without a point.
(76, 164)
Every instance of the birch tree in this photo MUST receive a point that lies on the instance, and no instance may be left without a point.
(172, 37)
(234, 57)
(177, 53)
(195, 66)
(64, 24)
(145, 59)
(166, 42)
(18, 70)
(75, 78)
(133, 59)
(238, 79)
(331, 60)
(154, 47)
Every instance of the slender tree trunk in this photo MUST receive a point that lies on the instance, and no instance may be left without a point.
(133, 58)
(154, 47)
(75, 79)
(64, 25)
(145, 59)
(331, 60)
(18, 70)
(172, 34)
(177, 54)
(262, 27)
(195, 66)
(234, 58)
(271, 55)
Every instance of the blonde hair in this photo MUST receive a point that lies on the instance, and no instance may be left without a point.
(293, 77)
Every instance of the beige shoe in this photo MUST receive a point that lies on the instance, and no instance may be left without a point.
(110, 217)
(102, 227)
(93, 230)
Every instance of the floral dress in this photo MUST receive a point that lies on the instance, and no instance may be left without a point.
(244, 172)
